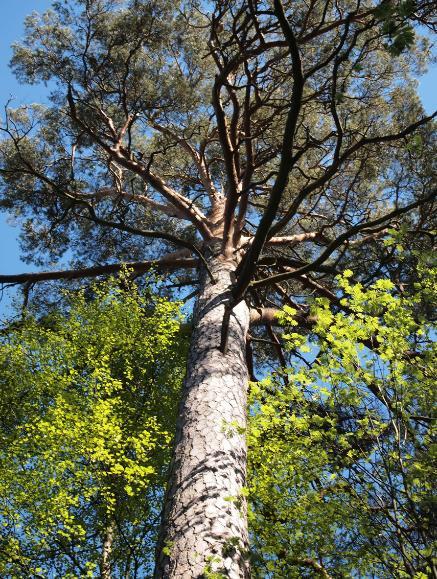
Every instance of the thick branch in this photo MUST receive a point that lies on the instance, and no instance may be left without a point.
(333, 168)
(229, 158)
(125, 159)
(286, 163)
(339, 241)
(261, 316)
(111, 192)
(291, 240)
(268, 317)
(170, 262)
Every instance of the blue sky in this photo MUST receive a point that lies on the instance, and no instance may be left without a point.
(11, 29)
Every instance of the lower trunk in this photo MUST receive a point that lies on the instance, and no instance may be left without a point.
(105, 564)
(204, 518)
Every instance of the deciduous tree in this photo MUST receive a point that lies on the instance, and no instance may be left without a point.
(88, 400)
(340, 444)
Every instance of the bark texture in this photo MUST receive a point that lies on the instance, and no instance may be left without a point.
(105, 566)
(204, 516)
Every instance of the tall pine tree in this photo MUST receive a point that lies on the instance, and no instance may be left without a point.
(253, 150)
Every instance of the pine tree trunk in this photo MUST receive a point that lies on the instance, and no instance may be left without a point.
(204, 516)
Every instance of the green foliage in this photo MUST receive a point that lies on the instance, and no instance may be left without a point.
(88, 398)
(395, 24)
(214, 569)
(341, 457)
(340, 472)
(88, 401)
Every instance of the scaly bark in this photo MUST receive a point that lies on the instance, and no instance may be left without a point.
(204, 518)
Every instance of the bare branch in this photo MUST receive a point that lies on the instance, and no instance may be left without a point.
(111, 192)
(261, 316)
(340, 241)
(249, 262)
(126, 159)
(292, 240)
(169, 262)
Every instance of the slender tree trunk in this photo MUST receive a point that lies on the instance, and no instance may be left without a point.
(105, 564)
(204, 517)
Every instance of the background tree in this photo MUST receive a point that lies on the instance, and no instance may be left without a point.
(273, 143)
(340, 446)
(88, 405)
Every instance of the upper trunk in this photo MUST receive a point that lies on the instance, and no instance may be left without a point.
(204, 516)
